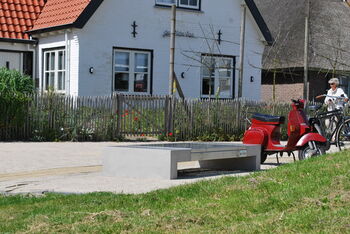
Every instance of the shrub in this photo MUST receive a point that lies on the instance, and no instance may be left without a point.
(15, 89)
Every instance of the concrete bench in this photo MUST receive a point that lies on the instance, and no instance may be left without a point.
(160, 160)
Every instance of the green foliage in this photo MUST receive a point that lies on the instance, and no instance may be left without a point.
(311, 196)
(14, 85)
(15, 89)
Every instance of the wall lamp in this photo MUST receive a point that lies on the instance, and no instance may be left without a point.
(91, 70)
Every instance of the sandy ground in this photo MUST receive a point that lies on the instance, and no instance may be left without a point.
(76, 168)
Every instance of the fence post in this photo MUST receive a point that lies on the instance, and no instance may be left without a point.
(119, 114)
(168, 114)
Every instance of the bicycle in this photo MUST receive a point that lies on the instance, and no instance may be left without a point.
(333, 125)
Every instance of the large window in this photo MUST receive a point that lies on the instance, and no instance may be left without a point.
(132, 71)
(55, 70)
(217, 76)
(193, 4)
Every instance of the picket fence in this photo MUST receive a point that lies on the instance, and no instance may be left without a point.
(61, 118)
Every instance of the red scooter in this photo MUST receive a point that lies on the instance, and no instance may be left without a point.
(265, 131)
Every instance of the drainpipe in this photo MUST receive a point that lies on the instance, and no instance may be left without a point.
(67, 63)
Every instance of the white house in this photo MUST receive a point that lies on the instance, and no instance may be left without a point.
(100, 47)
(17, 48)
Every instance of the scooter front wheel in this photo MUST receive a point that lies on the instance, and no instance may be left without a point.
(308, 152)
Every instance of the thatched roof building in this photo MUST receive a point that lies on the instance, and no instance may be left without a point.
(329, 34)
(329, 46)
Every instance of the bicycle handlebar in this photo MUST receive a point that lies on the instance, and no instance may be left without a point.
(325, 95)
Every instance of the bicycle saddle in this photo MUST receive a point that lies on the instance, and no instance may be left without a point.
(315, 107)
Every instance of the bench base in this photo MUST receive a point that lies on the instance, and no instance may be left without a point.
(144, 162)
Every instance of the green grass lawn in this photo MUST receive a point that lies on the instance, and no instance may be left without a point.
(307, 196)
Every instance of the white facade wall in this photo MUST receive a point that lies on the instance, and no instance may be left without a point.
(110, 27)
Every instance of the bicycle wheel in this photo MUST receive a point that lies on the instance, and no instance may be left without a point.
(343, 135)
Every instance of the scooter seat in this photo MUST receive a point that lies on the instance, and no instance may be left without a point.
(269, 118)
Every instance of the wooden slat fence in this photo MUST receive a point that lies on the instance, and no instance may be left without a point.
(61, 118)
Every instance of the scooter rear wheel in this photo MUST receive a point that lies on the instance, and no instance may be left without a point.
(307, 152)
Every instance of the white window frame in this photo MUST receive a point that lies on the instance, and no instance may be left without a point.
(55, 71)
(132, 72)
(179, 4)
(188, 6)
(216, 75)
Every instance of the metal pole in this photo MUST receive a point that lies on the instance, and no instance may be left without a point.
(306, 52)
(241, 54)
(172, 50)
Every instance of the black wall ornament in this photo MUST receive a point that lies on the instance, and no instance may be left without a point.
(219, 37)
(134, 26)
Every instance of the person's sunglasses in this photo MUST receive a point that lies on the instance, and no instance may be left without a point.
(332, 83)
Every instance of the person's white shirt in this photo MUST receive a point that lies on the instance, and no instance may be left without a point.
(336, 104)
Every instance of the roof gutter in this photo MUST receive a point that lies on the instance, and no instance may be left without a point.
(50, 29)
(23, 41)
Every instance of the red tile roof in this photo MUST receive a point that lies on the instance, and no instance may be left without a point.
(59, 13)
(18, 16)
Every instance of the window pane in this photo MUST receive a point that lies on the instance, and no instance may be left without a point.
(141, 62)
(61, 60)
(206, 86)
(193, 2)
(61, 81)
(140, 83)
(224, 85)
(208, 70)
(47, 61)
(52, 80)
(122, 61)
(184, 2)
(121, 82)
(47, 79)
(52, 61)
(225, 67)
(165, 2)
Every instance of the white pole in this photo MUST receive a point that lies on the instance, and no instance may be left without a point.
(241, 54)
(306, 52)
(172, 50)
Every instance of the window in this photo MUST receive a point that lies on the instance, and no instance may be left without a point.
(217, 76)
(55, 70)
(192, 4)
(132, 71)
(344, 84)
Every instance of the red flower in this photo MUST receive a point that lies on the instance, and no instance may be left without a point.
(142, 134)
(123, 116)
(136, 119)
(170, 134)
(126, 114)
